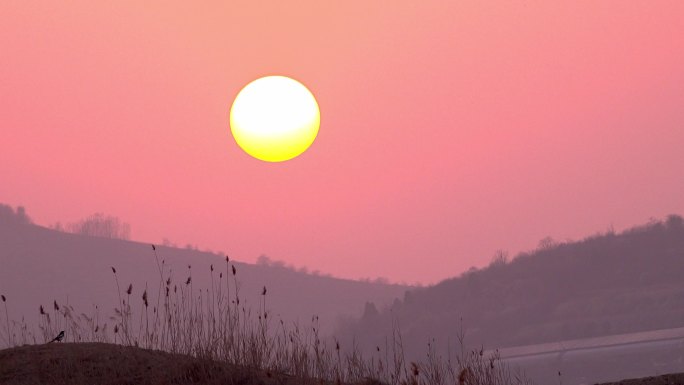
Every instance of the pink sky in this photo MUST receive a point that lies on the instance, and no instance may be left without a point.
(450, 129)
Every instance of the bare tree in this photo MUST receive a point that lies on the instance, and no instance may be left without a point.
(100, 225)
(500, 258)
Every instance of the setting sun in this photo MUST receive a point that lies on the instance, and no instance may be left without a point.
(274, 118)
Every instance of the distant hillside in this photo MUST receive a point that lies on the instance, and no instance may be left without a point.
(40, 265)
(605, 284)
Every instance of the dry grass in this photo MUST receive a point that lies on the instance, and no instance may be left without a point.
(214, 327)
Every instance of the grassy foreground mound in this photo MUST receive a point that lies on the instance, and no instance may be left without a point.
(665, 379)
(101, 363)
(104, 364)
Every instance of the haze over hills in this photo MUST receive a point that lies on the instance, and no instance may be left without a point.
(40, 265)
(605, 284)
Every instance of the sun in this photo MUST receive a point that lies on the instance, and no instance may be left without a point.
(275, 118)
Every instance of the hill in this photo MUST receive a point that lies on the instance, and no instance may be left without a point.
(605, 284)
(41, 266)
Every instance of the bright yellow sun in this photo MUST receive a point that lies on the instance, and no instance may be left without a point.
(274, 118)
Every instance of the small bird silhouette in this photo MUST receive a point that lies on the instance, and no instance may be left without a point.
(59, 337)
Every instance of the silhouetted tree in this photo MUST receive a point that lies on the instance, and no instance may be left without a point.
(18, 216)
(100, 225)
(500, 258)
(674, 222)
(265, 260)
(21, 215)
(546, 243)
(370, 311)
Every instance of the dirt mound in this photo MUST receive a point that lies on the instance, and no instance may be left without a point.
(666, 379)
(99, 363)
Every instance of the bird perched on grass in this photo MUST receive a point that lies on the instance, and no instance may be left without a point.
(59, 337)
